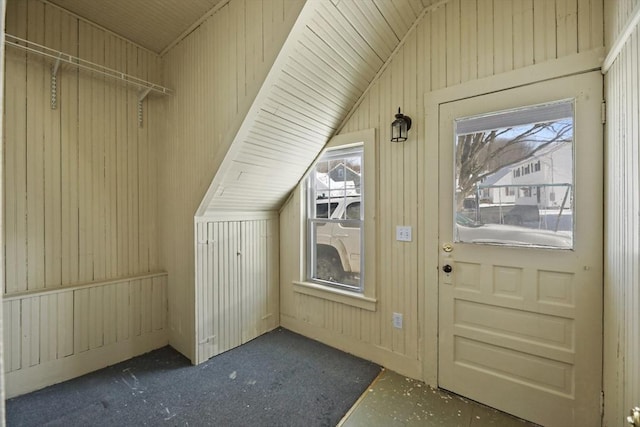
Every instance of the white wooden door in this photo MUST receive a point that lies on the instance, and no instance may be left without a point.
(520, 323)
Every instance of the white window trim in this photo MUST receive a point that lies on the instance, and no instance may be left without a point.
(367, 298)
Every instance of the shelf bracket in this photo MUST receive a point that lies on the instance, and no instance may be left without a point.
(54, 83)
(141, 96)
(58, 57)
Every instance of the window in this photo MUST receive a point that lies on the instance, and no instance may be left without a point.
(520, 141)
(338, 244)
(334, 219)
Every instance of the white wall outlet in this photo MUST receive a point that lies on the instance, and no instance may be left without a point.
(403, 233)
(397, 320)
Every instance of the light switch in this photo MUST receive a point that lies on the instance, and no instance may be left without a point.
(397, 320)
(403, 233)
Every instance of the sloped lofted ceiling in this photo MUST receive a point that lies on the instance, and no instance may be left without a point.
(332, 54)
(334, 51)
(153, 24)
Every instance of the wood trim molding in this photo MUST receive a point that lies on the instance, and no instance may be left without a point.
(36, 377)
(77, 286)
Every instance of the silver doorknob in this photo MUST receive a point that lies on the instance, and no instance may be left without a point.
(634, 418)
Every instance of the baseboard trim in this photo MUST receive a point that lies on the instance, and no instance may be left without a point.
(39, 376)
(396, 362)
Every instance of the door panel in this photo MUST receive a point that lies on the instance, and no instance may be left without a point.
(520, 326)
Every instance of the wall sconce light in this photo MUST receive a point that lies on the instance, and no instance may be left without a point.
(400, 127)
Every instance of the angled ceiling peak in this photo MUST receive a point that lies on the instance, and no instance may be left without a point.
(333, 53)
(152, 24)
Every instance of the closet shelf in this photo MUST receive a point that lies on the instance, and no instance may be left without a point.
(59, 57)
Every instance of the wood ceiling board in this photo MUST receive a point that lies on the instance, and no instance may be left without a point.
(339, 24)
(326, 64)
(384, 24)
(364, 22)
(277, 151)
(286, 136)
(258, 135)
(283, 94)
(294, 128)
(279, 101)
(312, 95)
(338, 43)
(318, 48)
(289, 112)
(312, 79)
(246, 173)
(153, 24)
(399, 18)
(319, 75)
(265, 156)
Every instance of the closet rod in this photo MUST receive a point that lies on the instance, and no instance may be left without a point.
(32, 47)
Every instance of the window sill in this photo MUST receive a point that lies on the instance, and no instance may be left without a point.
(336, 295)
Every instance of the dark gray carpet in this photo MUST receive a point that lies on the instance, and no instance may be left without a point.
(278, 379)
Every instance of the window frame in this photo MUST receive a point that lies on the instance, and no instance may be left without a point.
(333, 153)
(365, 298)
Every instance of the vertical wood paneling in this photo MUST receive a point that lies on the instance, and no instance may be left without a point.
(48, 327)
(15, 182)
(237, 282)
(64, 324)
(52, 166)
(462, 41)
(622, 224)
(85, 199)
(12, 333)
(454, 48)
(36, 91)
(468, 41)
(96, 320)
(81, 330)
(237, 45)
(123, 297)
(55, 325)
(69, 110)
(109, 314)
(78, 179)
(486, 45)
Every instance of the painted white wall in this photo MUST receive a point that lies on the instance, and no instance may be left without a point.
(464, 41)
(3, 8)
(622, 220)
(80, 205)
(216, 72)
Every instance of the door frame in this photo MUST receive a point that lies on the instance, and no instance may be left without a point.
(428, 212)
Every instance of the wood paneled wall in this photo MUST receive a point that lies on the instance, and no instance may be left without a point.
(79, 181)
(55, 335)
(80, 204)
(622, 225)
(237, 282)
(216, 72)
(462, 41)
(2, 348)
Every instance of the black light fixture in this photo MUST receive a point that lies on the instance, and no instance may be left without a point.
(400, 127)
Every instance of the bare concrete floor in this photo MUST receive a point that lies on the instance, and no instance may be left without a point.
(394, 400)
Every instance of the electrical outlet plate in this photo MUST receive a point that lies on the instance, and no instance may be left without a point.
(397, 320)
(403, 233)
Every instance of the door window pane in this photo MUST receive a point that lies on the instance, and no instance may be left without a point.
(514, 177)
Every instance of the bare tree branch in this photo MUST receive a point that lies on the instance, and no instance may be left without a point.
(481, 154)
